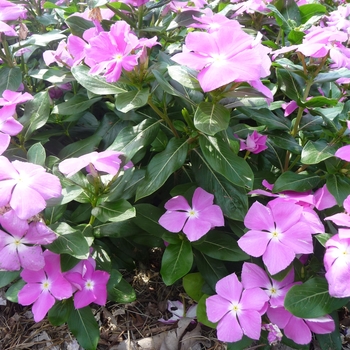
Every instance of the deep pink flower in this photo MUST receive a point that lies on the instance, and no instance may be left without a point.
(225, 56)
(106, 161)
(110, 52)
(92, 285)
(26, 187)
(195, 221)
(255, 143)
(337, 265)
(277, 234)
(254, 276)
(299, 329)
(44, 286)
(20, 244)
(236, 309)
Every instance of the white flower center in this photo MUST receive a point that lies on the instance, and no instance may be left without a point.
(89, 285)
(236, 308)
(192, 213)
(46, 285)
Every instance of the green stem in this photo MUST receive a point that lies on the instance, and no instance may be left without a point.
(140, 17)
(164, 117)
(8, 56)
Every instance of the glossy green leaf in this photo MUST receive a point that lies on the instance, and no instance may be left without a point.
(69, 241)
(290, 83)
(95, 83)
(285, 141)
(7, 277)
(193, 283)
(176, 262)
(290, 181)
(316, 152)
(223, 160)
(59, 313)
(220, 246)
(339, 187)
(309, 10)
(323, 237)
(37, 154)
(12, 293)
(130, 100)
(333, 75)
(211, 118)
(119, 210)
(10, 79)
(320, 101)
(311, 299)
(161, 166)
(331, 341)
(184, 75)
(119, 290)
(82, 323)
(133, 138)
(117, 229)
(53, 75)
(202, 312)
(233, 200)
(36, 113)
(76, 104)
(78, 25)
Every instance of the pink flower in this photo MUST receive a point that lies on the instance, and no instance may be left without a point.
(344, 152)
(342, 219)
(44, 286)
(26, 187)
(9, 126)
(299, 329)
(337, 264)
(254, 276)
(92, 285)
(236, 309)
(275, 335)
(225, 56)
(255, 143)
(323, 199)
(11, 12)
(195, 221)
(13, 98)
(20, 245)
(106, 161)
(110, 52)
(277, 234)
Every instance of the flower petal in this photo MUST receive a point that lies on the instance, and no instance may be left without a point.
(173, 221)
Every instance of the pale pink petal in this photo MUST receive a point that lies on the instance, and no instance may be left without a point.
(277, 256)
(250, 321)
(323, 199)
(228, 329)
(61, 288)
(337, 277)
(259, 218)
(39, 233)
(195, 228)
(310, 217)
(298, 238)
(192, 60)
(217, 307)
(14, 225)
(100, 292)
(72, 165)
(7, 171)
(298, 331)
(6, 187)
(4, 142)
(340, 219)
(280, 316)
(47, 185)
(346, 204)
(213, 214)
(202, 199)
(177, 203)
(11, 126)
(33, 277)
(42, 305)
(286, 215)
(343, 153)
(31, 258)
(253, 299)
(253, 276)
(173, 221)
(83, 298)
(254, 242)
(229, 288)
(29, 293)
(321, 325)
(9, 260)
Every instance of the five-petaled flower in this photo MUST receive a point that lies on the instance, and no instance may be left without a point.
(194, 221)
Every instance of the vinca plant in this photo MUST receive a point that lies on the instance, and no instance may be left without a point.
(216, 132)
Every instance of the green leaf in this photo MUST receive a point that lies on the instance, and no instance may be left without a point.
(211, 118)
(339, 187)
(161, 166)
(76, 104)
(202, 312)
(193, 283)
(233, 200)
(309, 10)
(82, 324)
(332, 75)
(185, 76)
(10, 79)
(223, 160)
(331, 341)
(59, 313)
(323, 237)
(119, 290)
(53, 75)
(37, 154)
(130, 100)
(320, 101)
(176, 262)
(36, 113)
(7, 277)
(290, 83)
(117, 229)
(147, 217)
(316, 152)
(291, 13)
(290, 181)
(69, 241)
(243, 344)
(119, 210)
(133, 138)
(79, 148)
(12, 293)
(95, 83)
(78, 25)
(312, 299)
(220, 246)
(285, 141)
(70, 193)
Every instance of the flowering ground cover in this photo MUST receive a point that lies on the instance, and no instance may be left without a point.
(212, 133)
